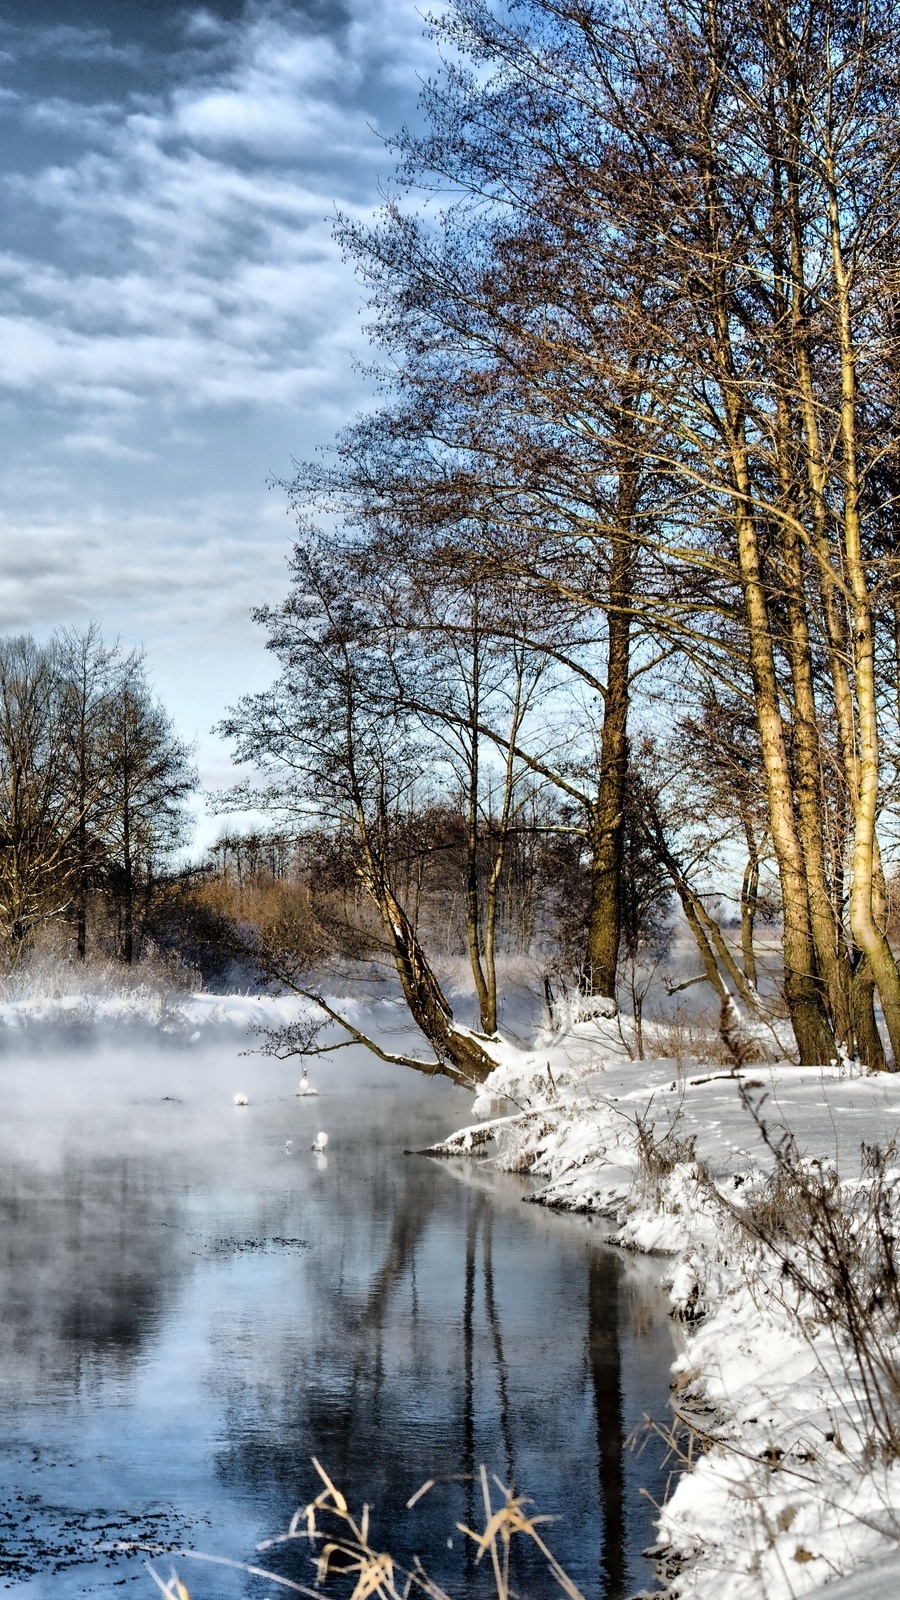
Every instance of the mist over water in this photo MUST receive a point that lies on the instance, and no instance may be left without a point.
(195, 1304)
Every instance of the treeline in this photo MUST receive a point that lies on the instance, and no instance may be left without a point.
(93, 785)
(616, 557)
(302, 891)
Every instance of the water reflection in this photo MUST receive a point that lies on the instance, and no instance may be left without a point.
(87, 1257)
(194, 1305)
(605, 1356)
(483, 1332)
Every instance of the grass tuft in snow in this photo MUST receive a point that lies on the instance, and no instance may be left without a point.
(787, 1395)
(660, 1154)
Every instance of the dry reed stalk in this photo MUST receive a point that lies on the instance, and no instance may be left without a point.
(342, 1548)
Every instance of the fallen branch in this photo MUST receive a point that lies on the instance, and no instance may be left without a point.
(299, 1040)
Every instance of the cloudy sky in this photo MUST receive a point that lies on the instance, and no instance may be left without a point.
(175, 320)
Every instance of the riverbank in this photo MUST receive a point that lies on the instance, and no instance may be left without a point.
(787, 1432)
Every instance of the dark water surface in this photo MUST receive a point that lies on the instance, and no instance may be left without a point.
(194, 1305)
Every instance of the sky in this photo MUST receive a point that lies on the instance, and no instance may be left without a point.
(176, 322)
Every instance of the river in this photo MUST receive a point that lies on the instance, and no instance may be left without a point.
(195, 1304)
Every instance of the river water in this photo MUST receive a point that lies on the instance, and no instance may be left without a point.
(194, 1304)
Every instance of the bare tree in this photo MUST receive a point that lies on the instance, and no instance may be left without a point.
(333, 751)
(641, 359)
(149, 779)
(39, 816)
(87, 671)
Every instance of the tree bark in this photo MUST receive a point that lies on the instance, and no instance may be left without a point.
(832, 958)
(802, 988)
(487, 1001)
(127, 888)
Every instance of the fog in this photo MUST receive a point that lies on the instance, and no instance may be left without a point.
(195, 1304)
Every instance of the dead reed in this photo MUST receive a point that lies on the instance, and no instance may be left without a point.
(342, 1550)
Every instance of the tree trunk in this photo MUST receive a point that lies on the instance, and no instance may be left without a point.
(428, 1005)
(832, 959)
(869, 1047)
(815, 1040)
(749, 902)
(809, 1020)
(866, 931)
(747, 994)
(81, 910)
(127, 889)
(487, 999)
(608, 811)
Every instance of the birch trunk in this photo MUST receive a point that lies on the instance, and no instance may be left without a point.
(870, 937)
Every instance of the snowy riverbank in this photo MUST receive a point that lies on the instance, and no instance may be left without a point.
(787, 1484)
(143, 1006)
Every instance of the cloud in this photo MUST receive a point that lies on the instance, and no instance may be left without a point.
(266, 333)
(290, 94)
(101, 444)
(180, 581)
(196, 232)
(201, 24)
(174, 574)
(176, 320)
(68, 43)
(56, 114)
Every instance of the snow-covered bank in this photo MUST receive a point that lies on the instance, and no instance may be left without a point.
(787, 1482)
(145, 1007)
(109, 1009)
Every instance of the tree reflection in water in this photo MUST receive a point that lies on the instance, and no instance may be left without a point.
(89, 1255)
(605, 1357)
(450, 1354)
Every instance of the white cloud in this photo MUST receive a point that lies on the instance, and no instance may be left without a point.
(58, 115)
(262, 334)
(289, 94)
(220, 281)
(201, 24)
(180, 572)
(102, 444)
(180, 584)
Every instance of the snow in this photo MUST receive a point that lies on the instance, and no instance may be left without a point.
(878, 1581)
(786, 1485)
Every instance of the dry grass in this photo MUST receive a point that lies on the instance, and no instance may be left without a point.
(263, 903)
(660, 1154)
(342, 1551)
(829, 1252)
(311, 923)
(837, 1247)
(50, 972)
(688, 1040)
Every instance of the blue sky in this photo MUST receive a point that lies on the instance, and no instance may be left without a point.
(175, 320)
